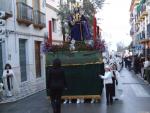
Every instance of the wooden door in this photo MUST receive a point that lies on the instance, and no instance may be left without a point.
(37, 59)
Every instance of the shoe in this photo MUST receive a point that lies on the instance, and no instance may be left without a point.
(70, 102)
(107, 103)
(92, 101)
(78, 101)
(65, 101)
(116, 99)
(111, 103)
(9, 94)
(82, 100)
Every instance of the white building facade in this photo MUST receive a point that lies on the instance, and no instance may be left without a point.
(21, 36)
(53, 22)
(140, 26)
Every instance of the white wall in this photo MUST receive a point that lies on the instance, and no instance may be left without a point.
(11, 52)
(53, 3)
(51, 12)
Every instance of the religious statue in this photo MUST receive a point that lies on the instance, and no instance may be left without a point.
(79, 25)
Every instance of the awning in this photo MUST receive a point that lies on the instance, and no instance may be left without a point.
(142, 1)
(138, 8)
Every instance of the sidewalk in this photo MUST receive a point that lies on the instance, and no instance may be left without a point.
(16, 98)
(136, 99)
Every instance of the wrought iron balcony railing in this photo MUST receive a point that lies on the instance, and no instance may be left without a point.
(148, 30)
(24, 13)
(146, 51)
(39, 19)
(132, 31)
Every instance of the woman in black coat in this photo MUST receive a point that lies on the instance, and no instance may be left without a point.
(56, 83)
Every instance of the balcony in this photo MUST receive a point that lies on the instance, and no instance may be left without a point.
(6, 6)
(136, 2)
(144, 41)
(24, 13)
(131, 18)
(146, 51)
(148, 30)
(137, 23)
(143, 11)
(148, 2)
(39, 19)
(132, 31)
(143, 35)
(137, 29)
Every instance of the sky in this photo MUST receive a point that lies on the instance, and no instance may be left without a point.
(114, 21)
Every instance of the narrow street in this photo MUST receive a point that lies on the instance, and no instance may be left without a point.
(136, 99)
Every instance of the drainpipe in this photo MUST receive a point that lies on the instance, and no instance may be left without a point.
(14, 10)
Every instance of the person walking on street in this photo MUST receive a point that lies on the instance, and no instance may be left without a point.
(56, 83)
(146, 65)
(108, 84)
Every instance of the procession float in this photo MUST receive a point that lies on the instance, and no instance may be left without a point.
(81, 56)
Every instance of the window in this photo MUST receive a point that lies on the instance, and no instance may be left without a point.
(61, 2)
(36, 5)
(37, 59)
(22, 55)
(54, 25)
(6, 5)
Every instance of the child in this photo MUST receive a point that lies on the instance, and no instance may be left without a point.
(108, 84)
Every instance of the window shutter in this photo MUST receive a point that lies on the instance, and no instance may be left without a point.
(50, 32)
(36, 5)
(22, 55)
(37, 59)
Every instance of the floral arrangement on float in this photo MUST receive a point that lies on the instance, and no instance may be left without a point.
(88, 45)
(78, 32)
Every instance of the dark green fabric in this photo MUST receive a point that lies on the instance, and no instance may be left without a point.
(83, 79)
(78, 57)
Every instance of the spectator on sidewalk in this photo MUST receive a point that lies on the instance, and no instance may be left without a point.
(146, 65)
(137, 65)
(129, 62)
(56, 83)
(1, 91)
(108, 84)
(142, 60)
(125, 61)
(118, 91)
(9, 80)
